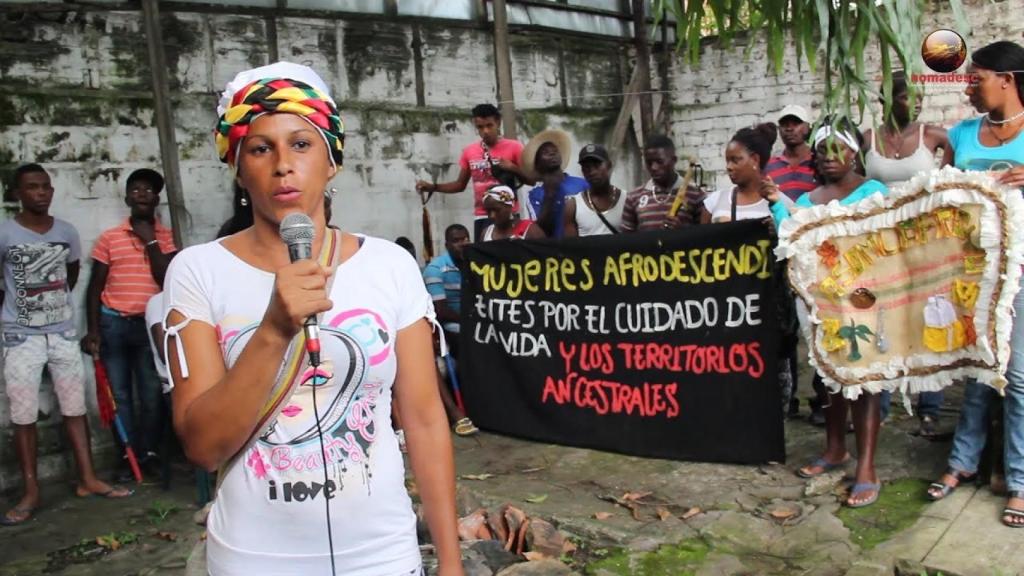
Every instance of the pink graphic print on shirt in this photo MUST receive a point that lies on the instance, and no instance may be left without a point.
(347, 394)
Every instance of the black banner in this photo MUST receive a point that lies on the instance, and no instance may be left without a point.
(658, 344)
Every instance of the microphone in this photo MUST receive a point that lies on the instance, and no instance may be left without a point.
(297, 232)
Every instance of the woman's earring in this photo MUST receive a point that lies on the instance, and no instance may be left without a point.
(330, 193)
(245, 200)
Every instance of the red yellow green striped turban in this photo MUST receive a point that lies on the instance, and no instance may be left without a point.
(269, 95)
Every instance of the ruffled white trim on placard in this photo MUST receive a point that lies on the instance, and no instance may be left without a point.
(803, 269)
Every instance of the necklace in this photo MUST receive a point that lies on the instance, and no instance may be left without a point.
(654, 194)
(1004, 120)
(1010, 136)
(614, 200)
(887, 139)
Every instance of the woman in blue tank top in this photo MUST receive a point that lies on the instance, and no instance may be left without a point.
(836, 147)
(993, 142)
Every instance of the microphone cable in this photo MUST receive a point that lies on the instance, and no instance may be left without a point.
(323, 455)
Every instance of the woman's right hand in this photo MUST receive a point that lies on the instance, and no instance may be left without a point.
(300, 291)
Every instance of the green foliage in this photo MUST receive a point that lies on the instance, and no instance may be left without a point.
(159, 510)
(899, 505)
(844, 31)
(679, 559)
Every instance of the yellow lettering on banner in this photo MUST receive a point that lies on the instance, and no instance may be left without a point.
(858, 258)
(568, 268)
(764, 252)
(667, 267)
(551, 275)
(877, 239)
(515, 282)
(531, 270)
(611, 269)
(589, 282)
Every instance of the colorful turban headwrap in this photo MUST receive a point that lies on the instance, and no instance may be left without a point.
(278, 95)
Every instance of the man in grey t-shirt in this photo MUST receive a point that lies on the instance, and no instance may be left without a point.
(39, 258)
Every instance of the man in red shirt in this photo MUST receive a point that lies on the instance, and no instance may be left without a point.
(128, 266)
(792, 170)
(491, 161)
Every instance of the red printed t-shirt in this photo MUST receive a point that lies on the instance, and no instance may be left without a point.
(480, 173)
(130, 282)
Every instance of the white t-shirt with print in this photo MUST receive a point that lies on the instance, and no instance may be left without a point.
(268, 516)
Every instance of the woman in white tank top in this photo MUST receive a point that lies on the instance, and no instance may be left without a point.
(902, 147)
(900, 150)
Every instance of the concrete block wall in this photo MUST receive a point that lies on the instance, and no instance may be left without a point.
(75, 96)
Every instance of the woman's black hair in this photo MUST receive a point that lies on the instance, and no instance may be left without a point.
(1004, 57)
(758, 140)
(241, 214)
(899, 84)
(841, 123)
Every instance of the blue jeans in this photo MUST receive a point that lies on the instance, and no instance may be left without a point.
(124, 349)
(972, 428)
(928, 404)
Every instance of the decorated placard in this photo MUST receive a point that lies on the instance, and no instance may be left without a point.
(912, 291)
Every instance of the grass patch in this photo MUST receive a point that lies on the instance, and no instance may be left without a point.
(682, 559)
(898, 506)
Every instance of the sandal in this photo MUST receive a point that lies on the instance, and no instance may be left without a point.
(825, 466)
(1014, 517)
(20, 516)
(939, 490)
(465, 427)
(861, 488)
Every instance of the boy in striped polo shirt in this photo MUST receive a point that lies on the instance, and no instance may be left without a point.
(128, 266)
(792, 170)
(647, 207)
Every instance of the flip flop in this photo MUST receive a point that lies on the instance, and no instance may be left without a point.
(939, 490)
(823, 464)
(24, 513)
(862, 488)
(1014, 512)
(114, 493)
(465, 427)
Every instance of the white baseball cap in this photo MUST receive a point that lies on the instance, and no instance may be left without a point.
(796, 111)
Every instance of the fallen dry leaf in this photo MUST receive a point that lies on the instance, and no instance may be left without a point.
(634, 496)
(602, 515)
(532, 556)
(108, 542)
(783, 513)
(532, 470)
(569, 547)
(690, 513)
(169, 536)
(484, 476)
(663, 513)
(536, 498)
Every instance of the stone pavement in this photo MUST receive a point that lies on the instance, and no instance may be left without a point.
(626, 515)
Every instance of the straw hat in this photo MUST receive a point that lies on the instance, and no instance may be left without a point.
(557, 137)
